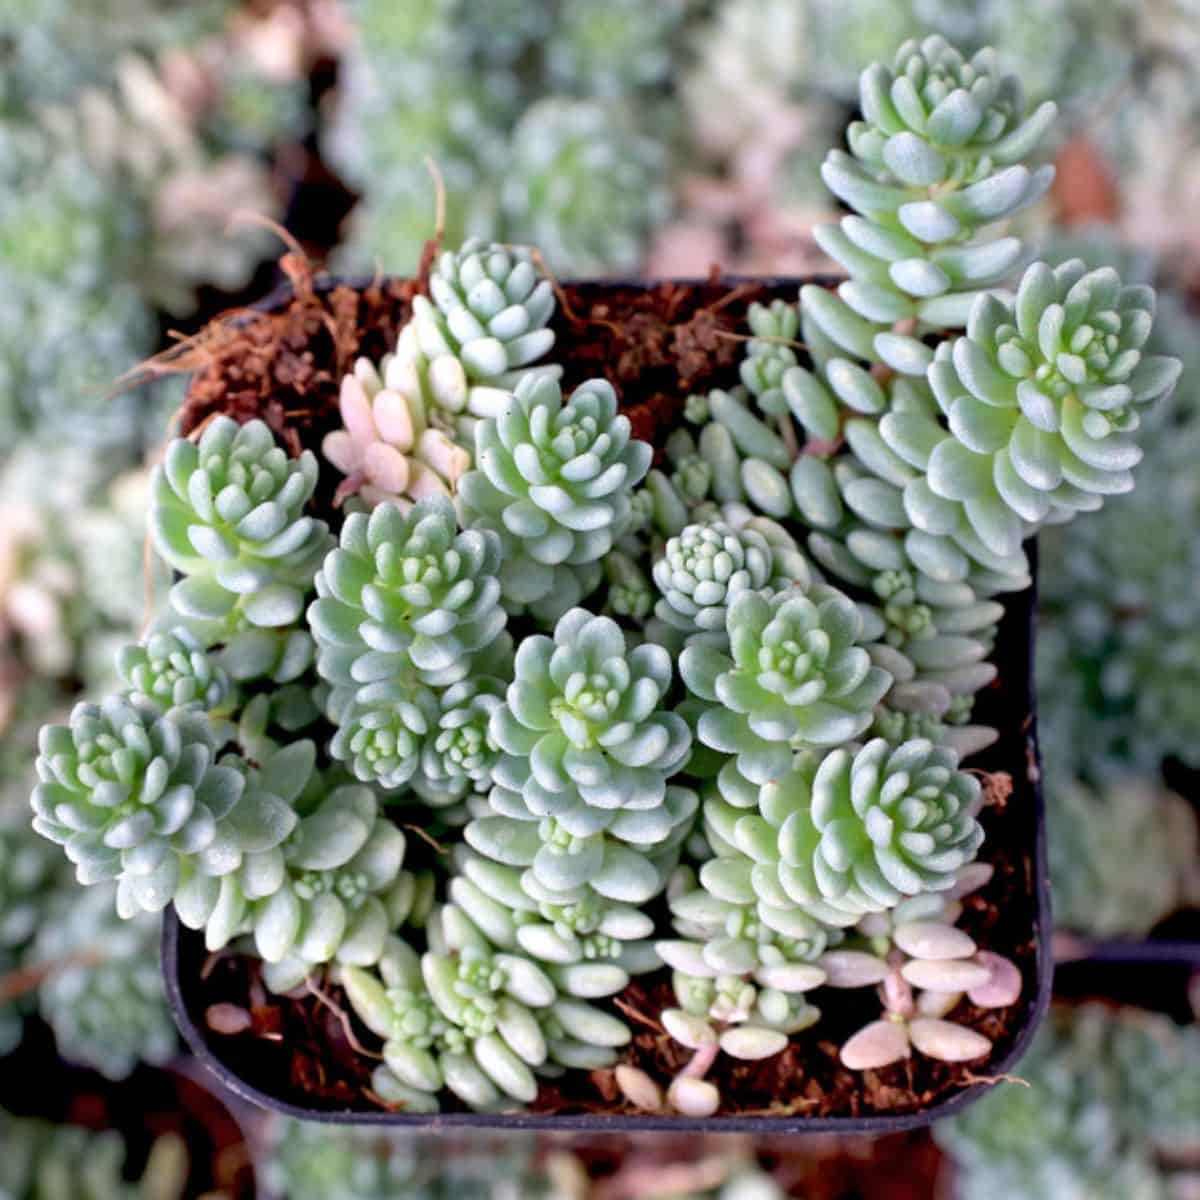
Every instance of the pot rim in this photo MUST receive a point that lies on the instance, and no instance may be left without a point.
(591, 1123)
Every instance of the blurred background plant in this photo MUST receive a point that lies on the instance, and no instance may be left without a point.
(145, 147)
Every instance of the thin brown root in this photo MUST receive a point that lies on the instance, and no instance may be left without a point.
(195, 434)
(191, 352)
(376, 1098)
(636, 1015)
(774, 339)
(731, 297)
(246, 216)
(539, 260)
(343, 1020)
(427, 837)
(997, 786)
(971, 1077)
(439, 199)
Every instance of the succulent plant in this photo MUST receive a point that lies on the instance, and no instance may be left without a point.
(42, 1161)
(768, 354)
(458, 756)
(741, 964)
(71, 318)
(1040, 396)
(630, 592)
(1154, 1067)
(836, 837)
(406, 595)
(747, 62)
(172, 670)
(1074, 1132)
(30, 878)
(795, 676)
(103, 993)
(470, 1018)
(309, 1161)
(1097, 889)
(609, 51)
(868, 506)
(821, 549)
(587, 940)
(553, 479)
(706, 567)
(587, 744)
(936, 156)
(583, 184)
(887, 822)
(135, 795)
(332, 891)
(382, 732)
(142, 131)
(386, 447)
(484, 327)
(228, 513)
(1120, 627)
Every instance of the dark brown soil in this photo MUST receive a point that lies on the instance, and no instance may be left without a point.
(656, 344)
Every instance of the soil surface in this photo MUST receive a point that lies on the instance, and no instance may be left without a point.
(656, 344)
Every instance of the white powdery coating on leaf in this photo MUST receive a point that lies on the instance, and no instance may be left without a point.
(933, 940)
(876, 1045)
(694, 1097)
(638, 1088)
(946, 1041)
(1003, 985)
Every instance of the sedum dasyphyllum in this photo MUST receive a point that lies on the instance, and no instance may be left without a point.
(408, 423)
(228, 513)
(139, 796)
(552, 480)
(491, 641)
(405, 596)
(705, 568)
(474, 1018)
(587, 749)
(102, 992)
(795, 674)
(386, 447)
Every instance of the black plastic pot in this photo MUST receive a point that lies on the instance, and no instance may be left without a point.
(1009, 706)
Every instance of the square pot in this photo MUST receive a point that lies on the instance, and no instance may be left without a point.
(1018, 895)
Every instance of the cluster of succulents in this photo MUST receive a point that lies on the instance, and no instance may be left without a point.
(68, 236)
(308, 1161)
(102, 990)
(541, 119)
(29, 879)
(41, 1161)
(1098, 890)
(1105, 1112)
(491, 641)
(44, 1160)
(1111, 709)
